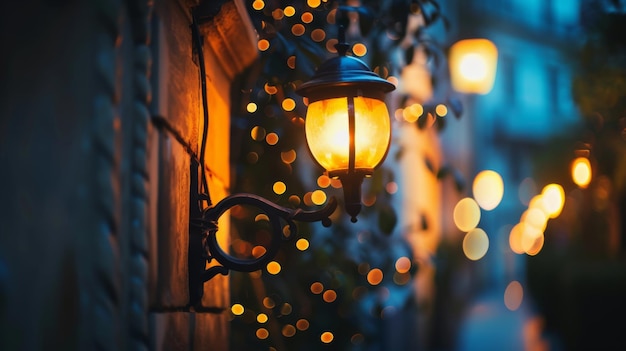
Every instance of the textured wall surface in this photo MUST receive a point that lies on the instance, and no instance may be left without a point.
(93, 229)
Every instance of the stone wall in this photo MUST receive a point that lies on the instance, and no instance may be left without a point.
(94, 222)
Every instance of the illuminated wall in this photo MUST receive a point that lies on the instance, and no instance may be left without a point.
(100, 116)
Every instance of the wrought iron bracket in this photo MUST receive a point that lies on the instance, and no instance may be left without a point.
(204, 246)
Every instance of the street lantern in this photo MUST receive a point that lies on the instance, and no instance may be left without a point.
(473, 64)
(347, 123)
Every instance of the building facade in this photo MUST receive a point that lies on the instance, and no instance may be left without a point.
(101, 113)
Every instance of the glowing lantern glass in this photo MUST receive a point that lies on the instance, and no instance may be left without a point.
(473, 64)
(347, 124)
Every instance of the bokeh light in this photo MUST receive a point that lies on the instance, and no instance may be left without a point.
(327, 337)
(302, 324)
(403, 264)
(237, 309)
(441, 110)
(536, 218)
(307, 17)
(268, 302)
(273, 267)
(359, 49)
(323, 181)
(288, 156)
(317, 288)
(286, 309)
(263, 44)
(513, 295)
(278, 14)
(313, 3)
(553, 199)
(466, 214)
(298, 29)
(271, 138)
(475, 244)
(302, 244)
(258, 133)
(318, 197)
(412, 112)
(251, 107)
(262, 318)
(329, 296)
(581, 172)
(289, 11)
(289, 330)
(270, 89)
(262, 333)
(258, 5)
(488, 189)
(318, 35)
(515, 238)
(279, 188)
(375, 276)
(288, 104)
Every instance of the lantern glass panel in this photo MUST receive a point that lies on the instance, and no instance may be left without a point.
(327, 133)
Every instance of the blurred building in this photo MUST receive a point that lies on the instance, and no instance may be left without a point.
(100, 137)
(530, 102)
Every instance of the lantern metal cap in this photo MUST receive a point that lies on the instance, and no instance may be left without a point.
(342, 76)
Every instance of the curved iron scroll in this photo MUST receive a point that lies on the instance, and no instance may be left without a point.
(274, 212)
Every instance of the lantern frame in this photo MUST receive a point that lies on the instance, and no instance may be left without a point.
(347, 77)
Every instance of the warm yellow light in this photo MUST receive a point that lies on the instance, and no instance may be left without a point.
(288, 104)
(313, 3)
(581, 172)
(441, 110)
(261, 318)
(359, 49)
(328, 136)
(323, 181)
(263, 44)
(466, 214)
(251, 107)
(258, 5)
(412, 113)
(273, 267)
(318, 197)
(237, 309)
(473, 65)
(271, 138)
(488, 189)
(302, 244)
(375, 276)
(475, 244)
(515, 238)
(536, 218)
(279, 188)
(289, 11)
(327, 337)
(553, 199)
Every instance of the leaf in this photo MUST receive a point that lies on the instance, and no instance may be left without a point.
(456, 106)
(408, 55)
(429, 165)
(387, 219)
